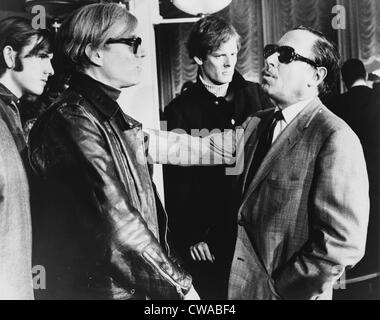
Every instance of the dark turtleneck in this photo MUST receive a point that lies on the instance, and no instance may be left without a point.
(111, 92)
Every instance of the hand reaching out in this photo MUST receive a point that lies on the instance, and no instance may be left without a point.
(201, 252)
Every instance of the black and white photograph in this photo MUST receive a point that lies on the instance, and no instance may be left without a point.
(195, 150)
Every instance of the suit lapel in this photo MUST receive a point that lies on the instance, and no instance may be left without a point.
(284, 143)
(252, 132)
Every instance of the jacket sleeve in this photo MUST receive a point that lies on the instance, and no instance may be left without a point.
(176, 148)
(338, 213)
(136, 253)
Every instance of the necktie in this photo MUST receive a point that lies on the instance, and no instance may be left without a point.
(263, 145)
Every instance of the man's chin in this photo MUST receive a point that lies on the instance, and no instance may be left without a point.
(228, 79)
(129, 85)
(221, 82)
(36, 91)
(269, 91)
(265, 86)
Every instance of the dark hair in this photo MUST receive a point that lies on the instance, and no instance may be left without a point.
(326, 55)
(92, 24)
(18, 32)
(208, 34)
(352, 70)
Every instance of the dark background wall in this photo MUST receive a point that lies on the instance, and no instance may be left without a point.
(11, 7)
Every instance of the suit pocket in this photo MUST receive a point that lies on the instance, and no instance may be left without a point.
(286, 202)
(280, 220)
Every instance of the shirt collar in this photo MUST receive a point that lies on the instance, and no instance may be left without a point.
(101, 96)
(292, 111)
(7, 96)
(359, 83)
(93, 90)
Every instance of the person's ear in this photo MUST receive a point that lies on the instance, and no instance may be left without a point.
(198, 61)
(318, 77)
(9, 56)
(94, 55)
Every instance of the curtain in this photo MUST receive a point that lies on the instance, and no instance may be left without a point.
(361, 37)
(246, 17)
(281, 16)
(260, 22)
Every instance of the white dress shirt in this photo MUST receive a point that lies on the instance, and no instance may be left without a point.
(289, 114)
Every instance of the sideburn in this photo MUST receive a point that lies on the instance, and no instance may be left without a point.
(18, 64)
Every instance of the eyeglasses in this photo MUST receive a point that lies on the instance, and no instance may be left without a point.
(286, 54)
(132, 42)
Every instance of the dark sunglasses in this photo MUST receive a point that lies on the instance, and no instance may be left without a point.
(286, 54)
(132, 42)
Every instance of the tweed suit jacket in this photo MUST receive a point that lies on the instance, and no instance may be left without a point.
(16, 281)
(303, 218)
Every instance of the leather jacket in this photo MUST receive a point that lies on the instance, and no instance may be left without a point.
(100, 231)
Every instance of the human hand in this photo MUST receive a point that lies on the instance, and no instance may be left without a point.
(201, 252)
(192, 295)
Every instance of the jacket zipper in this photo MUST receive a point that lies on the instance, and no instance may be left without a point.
(113, 135)
(163, 274)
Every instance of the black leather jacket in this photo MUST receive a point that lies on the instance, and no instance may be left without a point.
(101, 230)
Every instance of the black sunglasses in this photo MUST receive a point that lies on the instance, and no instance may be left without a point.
(286, 54)
(132, 42)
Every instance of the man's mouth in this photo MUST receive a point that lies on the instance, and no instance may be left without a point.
(267, 74)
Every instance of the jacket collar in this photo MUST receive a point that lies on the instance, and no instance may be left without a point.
(281, 146)
(238, 82)
(7, 96)
(102, 97)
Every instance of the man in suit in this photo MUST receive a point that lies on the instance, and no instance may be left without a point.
(304, 202)
(359, 107)
(353, 105)
(302, 198)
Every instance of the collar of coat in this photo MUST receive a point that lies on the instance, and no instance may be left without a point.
(283, 144)
(6, 95)
(237, 83)
(102, 97)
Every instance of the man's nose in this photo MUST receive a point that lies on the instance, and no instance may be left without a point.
(49, 68)
(141, 52)
(227, 61)
(271, 61)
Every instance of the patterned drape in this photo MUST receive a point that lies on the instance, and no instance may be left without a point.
(361, 37)
(283, 15)
(264, 21)
(174, 66)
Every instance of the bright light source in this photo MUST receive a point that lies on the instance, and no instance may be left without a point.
(201, 7)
